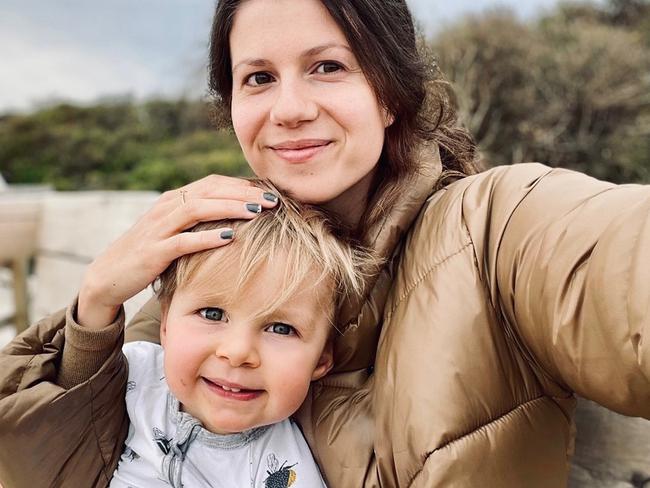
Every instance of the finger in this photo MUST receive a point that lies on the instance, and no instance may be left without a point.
(226, 192)
(194, 211)
(190, 242)
(164, 209)
(208, 185)
(244, 194)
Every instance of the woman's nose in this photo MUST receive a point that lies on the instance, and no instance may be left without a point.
(239, 349)
(293, 105)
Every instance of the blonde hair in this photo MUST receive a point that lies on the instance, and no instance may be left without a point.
(304, 236)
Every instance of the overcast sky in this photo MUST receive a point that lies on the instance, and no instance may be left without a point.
(80, 50)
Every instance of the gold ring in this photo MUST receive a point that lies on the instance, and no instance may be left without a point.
(183, 192)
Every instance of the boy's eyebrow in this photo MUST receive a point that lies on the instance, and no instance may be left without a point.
(216, 297)
(260, 62)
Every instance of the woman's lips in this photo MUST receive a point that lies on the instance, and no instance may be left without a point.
(232, 393)
(302, 154)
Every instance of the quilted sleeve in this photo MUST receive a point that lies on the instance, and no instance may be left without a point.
(56, 436)
(567, 262)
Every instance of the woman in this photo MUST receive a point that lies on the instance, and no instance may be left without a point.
(503, 293)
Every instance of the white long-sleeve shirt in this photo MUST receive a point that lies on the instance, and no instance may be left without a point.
(168, 447)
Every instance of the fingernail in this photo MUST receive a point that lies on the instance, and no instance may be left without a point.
(271, 197)
(254, 207)
(227, 234)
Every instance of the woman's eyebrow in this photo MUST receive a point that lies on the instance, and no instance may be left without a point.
(260, 62)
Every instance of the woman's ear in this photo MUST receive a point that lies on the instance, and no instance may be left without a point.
(325, 362)
(389, 118)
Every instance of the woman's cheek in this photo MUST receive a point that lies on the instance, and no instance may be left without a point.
(252, 154)
(247, 119)
(241, 134)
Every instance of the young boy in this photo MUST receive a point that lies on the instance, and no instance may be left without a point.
(244, 331)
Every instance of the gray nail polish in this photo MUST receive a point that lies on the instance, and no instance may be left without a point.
(254, 207)
(271, 197)
(227, 234)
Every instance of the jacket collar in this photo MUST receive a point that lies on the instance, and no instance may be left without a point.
(360, 319)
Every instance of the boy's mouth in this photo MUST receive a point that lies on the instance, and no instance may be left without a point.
(231, 390)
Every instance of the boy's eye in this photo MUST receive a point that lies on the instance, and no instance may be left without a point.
(212, 313)
(280, 328)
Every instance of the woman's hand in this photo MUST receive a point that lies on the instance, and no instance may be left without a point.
(134, 260)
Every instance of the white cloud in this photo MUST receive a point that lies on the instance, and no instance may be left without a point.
(38, 72)
(41, 62)
(435, 14)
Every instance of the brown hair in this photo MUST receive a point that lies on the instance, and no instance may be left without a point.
(404, 78)
(303, 235)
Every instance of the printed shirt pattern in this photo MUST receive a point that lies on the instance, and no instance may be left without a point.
(166, 447)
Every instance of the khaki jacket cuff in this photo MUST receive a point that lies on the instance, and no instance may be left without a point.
(85, 351)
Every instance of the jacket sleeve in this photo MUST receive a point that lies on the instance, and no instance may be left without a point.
(567, 262)
(53, 435)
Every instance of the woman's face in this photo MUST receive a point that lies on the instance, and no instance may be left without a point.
(304, 113)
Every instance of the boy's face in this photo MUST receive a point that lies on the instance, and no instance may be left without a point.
(234, 368)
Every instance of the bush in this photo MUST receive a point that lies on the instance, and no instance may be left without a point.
(571, 89)
(153, 146)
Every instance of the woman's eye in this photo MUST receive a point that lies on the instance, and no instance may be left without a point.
(328, 67)
(212, 313)
(261, 78)
(280, 328)
(258, 79)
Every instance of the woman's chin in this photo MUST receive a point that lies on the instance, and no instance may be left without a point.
(307, 192)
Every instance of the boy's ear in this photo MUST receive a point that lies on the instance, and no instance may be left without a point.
(163, 324)
(325, 362)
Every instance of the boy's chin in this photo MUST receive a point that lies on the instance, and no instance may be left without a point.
(224, 428)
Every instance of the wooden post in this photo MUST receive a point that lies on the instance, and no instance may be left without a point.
(19, 225)
(19, 266)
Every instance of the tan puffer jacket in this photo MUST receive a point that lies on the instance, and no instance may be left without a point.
(505, 293)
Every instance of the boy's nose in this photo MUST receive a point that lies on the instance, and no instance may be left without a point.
(239, 350)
